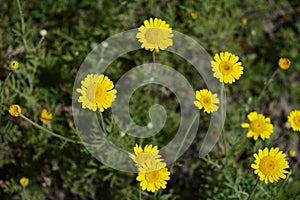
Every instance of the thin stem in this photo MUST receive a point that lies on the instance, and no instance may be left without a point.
(266, 86)
(5, 82)
(48, 131)
(254, 188)
(24, 193)
(223, 131)
(40, 42)
(140, 193)
(102, 122)
(183, 140)
(22, 24)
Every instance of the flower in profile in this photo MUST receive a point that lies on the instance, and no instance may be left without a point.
(226, 67)
(270, 165)
(43, 32)
(259, 126)
(194, 15)
(45, 116)
(155, 35)
(13, 65)
(292, 152)
(24, 181)
(97, 92)
(207, 100)
(141, 156)
(153, 175)
(284, 63)
(15, 110)
(294, 120)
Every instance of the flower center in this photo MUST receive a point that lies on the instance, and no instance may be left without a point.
(152, 35)
(268, 165)
(257, 126)
(152, 176)
(225, 67)
(206, 101)
(297, 120)
(95, 93)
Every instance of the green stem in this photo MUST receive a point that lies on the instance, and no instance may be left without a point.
(140, 193)
(24, 193)
(266, 86)
(222, 116)
(102, 123)
(22, 24)
(5, 80)
(254, 188)
(40, 42)
(48, 131)
(183, 140)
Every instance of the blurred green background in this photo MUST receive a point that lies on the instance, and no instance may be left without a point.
(259, 32)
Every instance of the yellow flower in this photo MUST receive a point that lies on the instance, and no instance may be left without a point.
(260, 126)
(155, 34)
(226, 67)
(13, 65)
(284, 63)
(141, 156)
(207, 100)
(294, 120)
(15, 110)
(194, 15)
(244, 20)
(45, 116)
(292, 152)
(97, 92)
(153, 175)
(24, 181)
(270, 165)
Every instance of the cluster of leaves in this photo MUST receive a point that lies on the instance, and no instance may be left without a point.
(47, 72)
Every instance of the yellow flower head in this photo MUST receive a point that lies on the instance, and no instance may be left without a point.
(294, 120)
(13, 65)
(141, 156)
(292, 152)
(15, 110)
(97, 92)
(226, 67)
(153, 175)
(270, 165)
(259, 126)
(45, 116)
(284, 63)
(24, 181)
(207, 100)
(244, 20)
(194, 15)
(155, 34)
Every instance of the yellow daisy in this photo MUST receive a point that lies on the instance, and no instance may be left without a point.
(259, 126)
(141, 155)
(270, 165)
(45, 116)
(24, 181)
(13, 65)
(207, 100)
(155, 34)
(294, 120)
(15, 110)
(97, 92)
(284, 63)
(226, 67)
(153, 175)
